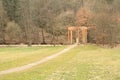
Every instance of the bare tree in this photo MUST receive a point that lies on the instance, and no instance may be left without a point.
(26, 19)
(3, 20)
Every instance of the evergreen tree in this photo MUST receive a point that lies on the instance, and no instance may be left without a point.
(10, 7)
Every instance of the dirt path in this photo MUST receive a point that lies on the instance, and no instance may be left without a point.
(21, 68)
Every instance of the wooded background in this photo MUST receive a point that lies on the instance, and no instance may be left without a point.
(46, 21)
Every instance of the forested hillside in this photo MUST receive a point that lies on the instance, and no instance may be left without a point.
(46, 21)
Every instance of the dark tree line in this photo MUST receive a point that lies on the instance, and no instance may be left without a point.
(46, 21)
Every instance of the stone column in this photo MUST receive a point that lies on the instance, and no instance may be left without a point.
(68, 36)
(71, 36)
(84, 35)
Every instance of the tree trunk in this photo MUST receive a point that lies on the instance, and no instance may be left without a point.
(43, 37)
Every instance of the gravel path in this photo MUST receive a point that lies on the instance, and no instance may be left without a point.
(21, 68)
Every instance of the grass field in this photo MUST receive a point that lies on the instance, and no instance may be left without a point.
(81, 63)
(16, 56)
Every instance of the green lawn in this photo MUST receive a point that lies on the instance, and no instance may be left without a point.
(11, 57)
(81, 63)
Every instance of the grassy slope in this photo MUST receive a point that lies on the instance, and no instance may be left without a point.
(17, 56)
(81, 63)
